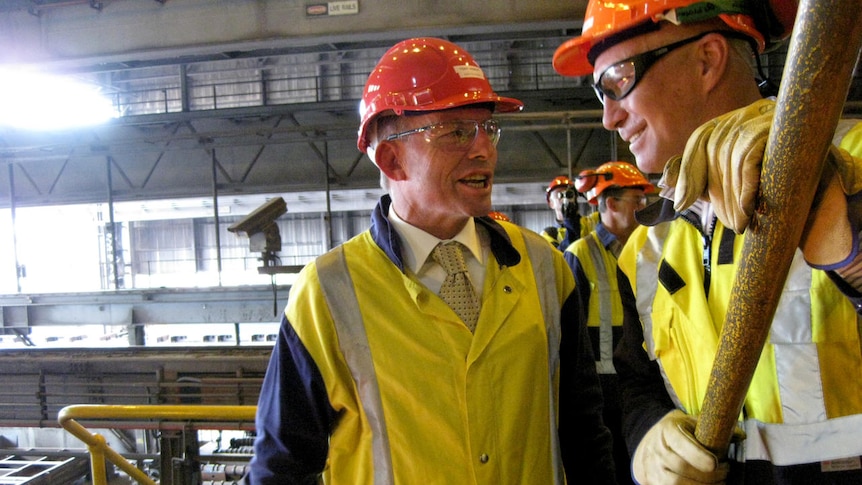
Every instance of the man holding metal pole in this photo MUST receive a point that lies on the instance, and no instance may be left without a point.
(676, 81)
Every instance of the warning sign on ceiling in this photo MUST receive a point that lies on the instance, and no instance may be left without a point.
(346, 7)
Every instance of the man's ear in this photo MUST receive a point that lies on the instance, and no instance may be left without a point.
(388, 157)
(713, 55)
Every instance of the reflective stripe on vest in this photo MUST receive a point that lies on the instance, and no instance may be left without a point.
(645, 288)
(787, 444)
(605, 362)
(340, 295)
(546, 284)
(788, 384)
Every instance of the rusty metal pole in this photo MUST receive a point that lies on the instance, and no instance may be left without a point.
(824, 47)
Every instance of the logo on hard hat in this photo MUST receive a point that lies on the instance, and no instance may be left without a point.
(467, 71)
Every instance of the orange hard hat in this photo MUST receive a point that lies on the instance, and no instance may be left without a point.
(499, 216)
(607, 23)
(425, 74)
(559, 181)
(610, 175)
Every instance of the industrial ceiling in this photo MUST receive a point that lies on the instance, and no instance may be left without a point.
(236, 98)
(248, 113)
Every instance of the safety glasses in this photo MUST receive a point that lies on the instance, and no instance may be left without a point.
(454, 135)
(569, 194)
(639, 201)
(619, 79)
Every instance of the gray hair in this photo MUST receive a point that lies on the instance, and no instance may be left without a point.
(378, 130)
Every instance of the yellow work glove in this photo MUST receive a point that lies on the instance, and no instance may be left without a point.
(828, 238)
(670, 454)
(722, 163)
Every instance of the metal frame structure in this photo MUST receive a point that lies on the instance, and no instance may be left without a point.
(185, 417)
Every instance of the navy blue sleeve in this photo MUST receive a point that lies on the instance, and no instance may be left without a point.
(582, 284)
(573, 263)
(644, 398)
(573, 231)
(294, 417)
(585, 441)
(854, 296)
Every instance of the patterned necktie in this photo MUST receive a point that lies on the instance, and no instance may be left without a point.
(457, 291)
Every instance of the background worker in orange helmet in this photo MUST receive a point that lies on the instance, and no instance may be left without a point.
(435, 346)
(562, 199)
(618, 189)
(677, 82)
(499, 216)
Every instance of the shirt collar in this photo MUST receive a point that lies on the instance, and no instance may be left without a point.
(606, 237)
(418, 244)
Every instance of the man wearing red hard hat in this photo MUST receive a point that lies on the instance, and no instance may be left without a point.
(677, 79)
(440, 345)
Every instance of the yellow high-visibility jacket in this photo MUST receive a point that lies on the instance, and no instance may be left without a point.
(375, 380)
(804, 404)
(605, 308)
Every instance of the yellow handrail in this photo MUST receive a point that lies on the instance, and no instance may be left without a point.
(99, 449)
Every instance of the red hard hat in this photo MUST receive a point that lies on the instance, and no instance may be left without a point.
(610, 175)
(559, 181)
(426, 74)
(605, 19)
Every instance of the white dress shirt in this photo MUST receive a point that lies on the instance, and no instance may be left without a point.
(418, 244)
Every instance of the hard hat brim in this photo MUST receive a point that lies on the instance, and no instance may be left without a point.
(570, 59)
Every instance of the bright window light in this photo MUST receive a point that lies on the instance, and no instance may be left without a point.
(36, 101)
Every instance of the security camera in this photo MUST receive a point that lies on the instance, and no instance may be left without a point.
(261, 229)
(260, 218)
(263, 236)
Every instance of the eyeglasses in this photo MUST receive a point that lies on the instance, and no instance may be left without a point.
(619, 79)
(564, 194)
(639, 201)
(456, 134)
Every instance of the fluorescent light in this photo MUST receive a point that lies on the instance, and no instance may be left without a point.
(37, 101)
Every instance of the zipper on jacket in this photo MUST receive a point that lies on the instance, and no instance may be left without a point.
(693, 218)
(707, 255)
(707, 270)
